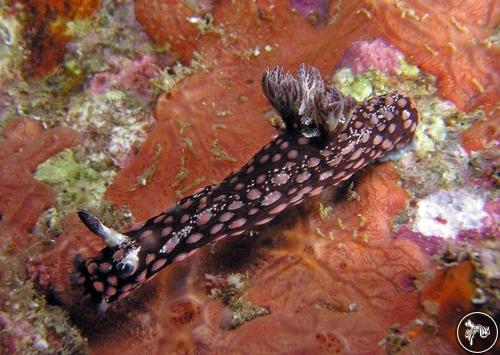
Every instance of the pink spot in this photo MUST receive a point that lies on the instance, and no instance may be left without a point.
(292, 154)
(326, 175)
(111, 291)
(150, 258)
(348, 149)
(147, 234)
(216, 229)
(137, 226)
(339, 175)
(413, 127)
(238, 223)
(221, 237)
(284, 145)
(296, 198)
(313, 162)
(305, 190)
(387, 143)
(220, 198)
(407, 124)
(169, 219)
(264, 159)
(278, 208)
(226, 216)
(374, 120)
(158, 264)
(357, 154)
(170, 245)
(159, 218)
(250, 169)
(392, 128)
(166, 231)
(260, 179)
(235, 205)
(377, 139)
(281, 179)
(239, 186)
(104, 267)
(185, 218)
(271, 198)
(233, 179)
(142, 276)
(203, 218)
(292, 190)
(123, 295)
(92, 268)
(335, 161)
(316, 191)
(180, 257)
(359, 163)
(186, 204)
(276, 157)
(238, 233)
(302, 177)
(112, 280)
(325, 152)
(253, 211)
(254, 194)
(98, 286)
(195, 237)
(303, 141)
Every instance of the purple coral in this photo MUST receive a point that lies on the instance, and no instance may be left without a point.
(315, 11)
(378, 54)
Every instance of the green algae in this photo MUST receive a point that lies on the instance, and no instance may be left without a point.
(75, 182)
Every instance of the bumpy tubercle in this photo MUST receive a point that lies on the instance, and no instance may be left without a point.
(328, 137)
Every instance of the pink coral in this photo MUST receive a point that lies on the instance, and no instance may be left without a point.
(134, 75)
(378, 53)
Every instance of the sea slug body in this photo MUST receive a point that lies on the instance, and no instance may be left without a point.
(328, 137)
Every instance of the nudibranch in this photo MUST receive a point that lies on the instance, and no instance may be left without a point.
(328, 137)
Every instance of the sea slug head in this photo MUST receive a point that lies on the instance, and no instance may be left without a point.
(113, 272)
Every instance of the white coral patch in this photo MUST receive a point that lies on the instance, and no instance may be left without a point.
(445, 213)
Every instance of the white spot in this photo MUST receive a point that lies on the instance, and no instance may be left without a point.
(445, 213)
